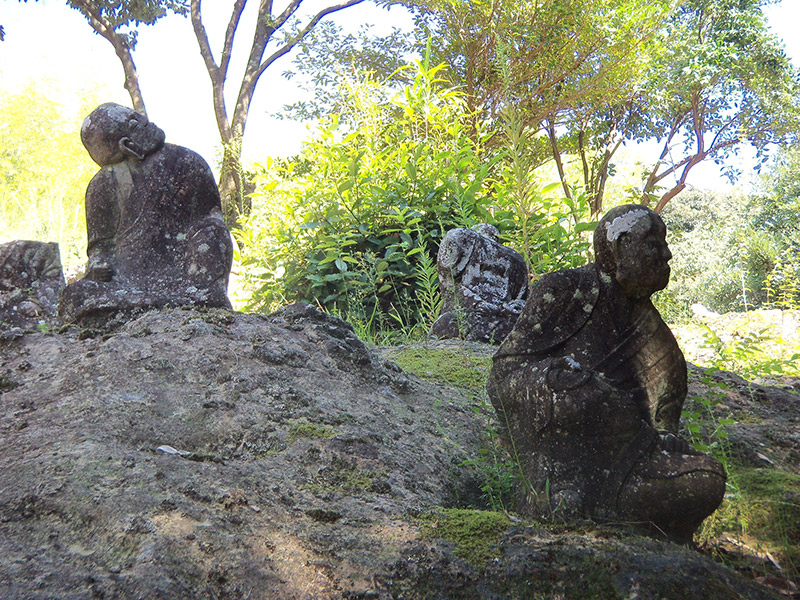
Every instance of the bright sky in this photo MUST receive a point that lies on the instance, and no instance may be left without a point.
(46, 40)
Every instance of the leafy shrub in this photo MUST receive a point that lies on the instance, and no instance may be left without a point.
(551, 232)
(722, 257)
(353, 224)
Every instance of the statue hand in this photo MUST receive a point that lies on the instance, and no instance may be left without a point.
(100, 272)
(565, 373)
(675, 443)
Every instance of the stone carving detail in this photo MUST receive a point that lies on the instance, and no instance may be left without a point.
(591, 383)
(154, 223)
(483, 285)
(30, 281)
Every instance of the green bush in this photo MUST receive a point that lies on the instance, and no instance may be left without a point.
(353, 224)
(723, 257)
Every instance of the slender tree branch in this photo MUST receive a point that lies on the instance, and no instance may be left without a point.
(202, 39)
(121, 48)
(551, 132)
(290, 9)
(303, 33)
(230, 33)
(215, 73)
(722, 129)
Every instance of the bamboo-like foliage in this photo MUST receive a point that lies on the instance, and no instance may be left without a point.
(44, 170)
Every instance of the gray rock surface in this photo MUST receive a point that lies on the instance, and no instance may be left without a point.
(31, 279)
(208, 454)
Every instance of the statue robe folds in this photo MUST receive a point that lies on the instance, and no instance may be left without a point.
(578, 383)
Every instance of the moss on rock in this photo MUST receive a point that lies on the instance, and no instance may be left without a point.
(304, 429)
(474, 532)
(460, 369)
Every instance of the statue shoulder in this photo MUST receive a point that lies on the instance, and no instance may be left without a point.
(183, 155)
(559, 304)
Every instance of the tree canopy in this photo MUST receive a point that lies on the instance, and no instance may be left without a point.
(700, 78)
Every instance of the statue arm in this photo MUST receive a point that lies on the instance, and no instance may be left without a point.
(102, 219)
(549, 392)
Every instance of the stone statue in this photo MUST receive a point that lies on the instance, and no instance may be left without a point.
(590, 383)
(483, 285)
(154, 223)
(30, 281)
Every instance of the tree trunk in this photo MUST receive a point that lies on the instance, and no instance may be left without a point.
(131, 75)
(232, 187)
(235, 202)
(121, 48)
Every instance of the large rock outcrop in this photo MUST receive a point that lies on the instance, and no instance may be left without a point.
(208, 454)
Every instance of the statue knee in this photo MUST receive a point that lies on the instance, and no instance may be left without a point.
(209, 251)
(673, 493)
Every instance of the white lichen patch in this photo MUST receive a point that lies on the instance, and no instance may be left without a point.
(548, 297)
(624, 223)
(87, 122)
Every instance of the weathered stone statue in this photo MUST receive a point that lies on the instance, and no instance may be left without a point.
(591, 383)
(483, 285)
(30, 281)
(154, 223)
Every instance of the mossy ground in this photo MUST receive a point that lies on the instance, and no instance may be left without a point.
(474, 532)
(762, 511)
(304, 429)
(447, 365)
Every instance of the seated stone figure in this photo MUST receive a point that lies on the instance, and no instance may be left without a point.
(590, 383)
(483, 285)
(154, 223)
(30, 281)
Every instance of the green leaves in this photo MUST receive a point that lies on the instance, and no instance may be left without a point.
(354, 222)
(44, 169)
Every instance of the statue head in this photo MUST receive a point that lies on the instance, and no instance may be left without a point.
(113, 133)
(630, 245)
(487, 230)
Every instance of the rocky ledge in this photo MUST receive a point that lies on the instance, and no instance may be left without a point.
(210, 454)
